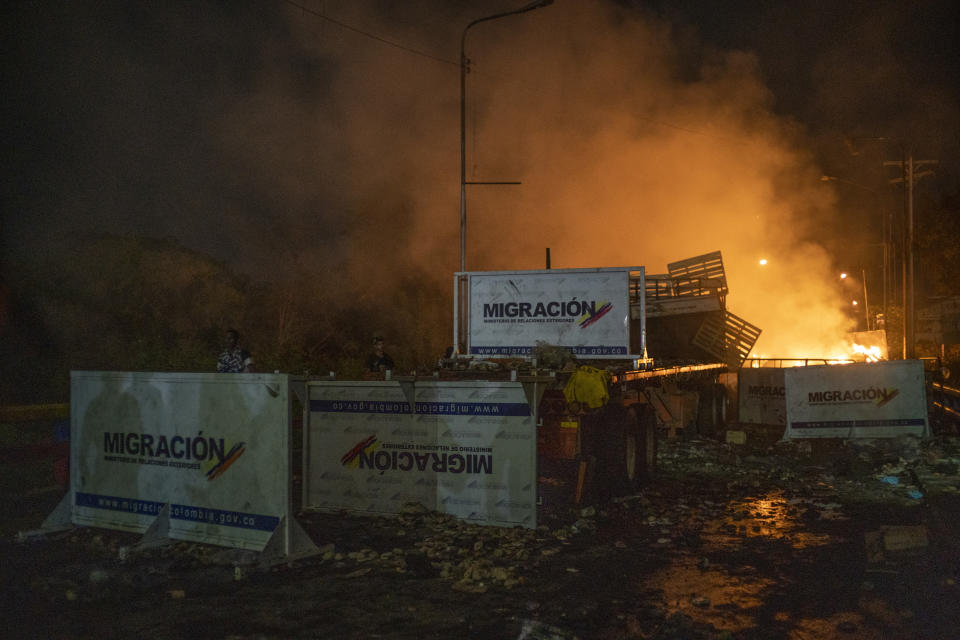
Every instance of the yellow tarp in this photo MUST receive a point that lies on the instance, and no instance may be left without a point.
(588, 386)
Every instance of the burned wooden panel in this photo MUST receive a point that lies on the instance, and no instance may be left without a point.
(670, 338)
(679, 306)
(728, 337)
(699, 275)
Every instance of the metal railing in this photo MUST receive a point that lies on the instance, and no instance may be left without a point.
(781, 363)
(946, 399)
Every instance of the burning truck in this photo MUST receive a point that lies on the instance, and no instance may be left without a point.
(625, 353)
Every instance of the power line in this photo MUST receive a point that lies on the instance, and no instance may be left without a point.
(366, 34)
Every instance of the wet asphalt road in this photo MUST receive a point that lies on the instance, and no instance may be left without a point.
(745, 547)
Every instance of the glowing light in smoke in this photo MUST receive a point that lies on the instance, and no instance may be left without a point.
(843, 276)
(763, 261)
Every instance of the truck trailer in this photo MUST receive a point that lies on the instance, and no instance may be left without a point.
(630, 354)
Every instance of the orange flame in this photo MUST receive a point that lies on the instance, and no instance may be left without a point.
(871, 354)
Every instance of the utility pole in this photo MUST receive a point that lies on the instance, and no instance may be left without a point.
(460, 326)
(911, 173)
(866, 300)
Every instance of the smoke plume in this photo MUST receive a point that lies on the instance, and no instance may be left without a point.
(321, 139)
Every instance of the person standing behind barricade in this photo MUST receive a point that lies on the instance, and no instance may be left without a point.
(234, 359)
(379, 361)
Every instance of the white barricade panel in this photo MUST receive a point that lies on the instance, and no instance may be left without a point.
(584, 310)
(215, 447)
(365, 452)
(465, 448)
(863, 400)
(486, 450)
(762, 396)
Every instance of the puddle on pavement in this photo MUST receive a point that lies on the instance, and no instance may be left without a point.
(731, 597)
(771, 517)
(710, 595)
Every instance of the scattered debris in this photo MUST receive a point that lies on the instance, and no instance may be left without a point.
(722, 519)
(899, 539)
(536, 630)
(736, 437)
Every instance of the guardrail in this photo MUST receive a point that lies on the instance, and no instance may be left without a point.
(946, 399)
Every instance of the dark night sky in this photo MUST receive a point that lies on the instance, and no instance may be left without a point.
(271, 138)
(863, 69)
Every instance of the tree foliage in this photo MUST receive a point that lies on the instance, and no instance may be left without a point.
(139, 304)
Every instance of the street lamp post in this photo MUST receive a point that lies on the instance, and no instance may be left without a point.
(464, 67)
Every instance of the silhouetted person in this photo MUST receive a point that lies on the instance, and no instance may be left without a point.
(234, 359)
(379, 360)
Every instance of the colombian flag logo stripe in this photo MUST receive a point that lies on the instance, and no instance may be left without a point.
(235, 452)
(351, 455)
(587, 319)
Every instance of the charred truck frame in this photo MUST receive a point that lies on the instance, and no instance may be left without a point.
(630, 353)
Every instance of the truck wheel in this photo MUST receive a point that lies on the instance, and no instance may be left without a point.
(620, 451)
(647, 427)
(633, 462)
